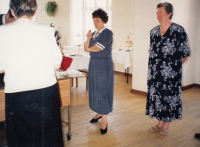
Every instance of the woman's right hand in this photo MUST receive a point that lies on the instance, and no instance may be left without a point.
(89, 35)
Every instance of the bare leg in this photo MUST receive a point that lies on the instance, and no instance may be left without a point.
(97, 116)
(157, 128)
(161, 124)
(104, 121)
(165, 128)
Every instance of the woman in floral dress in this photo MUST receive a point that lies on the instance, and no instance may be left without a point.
(168, 50)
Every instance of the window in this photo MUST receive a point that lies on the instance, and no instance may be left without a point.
(81, 20)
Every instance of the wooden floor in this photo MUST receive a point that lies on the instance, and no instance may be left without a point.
(127, 124)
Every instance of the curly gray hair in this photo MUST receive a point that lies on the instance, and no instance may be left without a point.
(23, 7)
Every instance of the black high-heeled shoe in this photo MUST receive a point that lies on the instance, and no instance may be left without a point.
(95, 120)
(104, 131)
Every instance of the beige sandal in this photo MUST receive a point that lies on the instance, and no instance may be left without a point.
(155, 129)
(162, 134)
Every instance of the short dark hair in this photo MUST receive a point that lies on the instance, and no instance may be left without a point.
(100, 13)
(168, 8)
(23, 7)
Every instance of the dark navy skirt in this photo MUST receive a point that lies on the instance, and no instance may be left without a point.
(1, 80)
(33, 118)
(101, 81)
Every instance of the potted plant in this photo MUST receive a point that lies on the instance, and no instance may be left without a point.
(51, 7)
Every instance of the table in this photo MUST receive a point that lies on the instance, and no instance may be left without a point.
(75, 50)
(123, 57)
(74, 73)
(80, 62)
(64, 86)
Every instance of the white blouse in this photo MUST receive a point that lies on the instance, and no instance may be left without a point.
(28, 53)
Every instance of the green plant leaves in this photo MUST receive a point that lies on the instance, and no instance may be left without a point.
(51, 7)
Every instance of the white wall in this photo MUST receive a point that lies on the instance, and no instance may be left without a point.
(122, 22)
(144, 21)
(122, 26)
(4, 5)
(197, 64)
(61, 19)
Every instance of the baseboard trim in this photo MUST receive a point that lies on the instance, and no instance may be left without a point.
(191, 86)
(197, 85)
(122, 73)
(183, 88)
(188, 87)
(138, 92)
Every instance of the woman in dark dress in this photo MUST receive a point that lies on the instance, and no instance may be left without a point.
(101, 74)
(168, 50)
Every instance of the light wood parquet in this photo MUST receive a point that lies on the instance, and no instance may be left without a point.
(127, 124)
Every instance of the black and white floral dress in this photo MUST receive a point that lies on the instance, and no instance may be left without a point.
(164, 97)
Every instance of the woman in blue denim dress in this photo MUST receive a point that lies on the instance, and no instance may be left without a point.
(101, 73)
